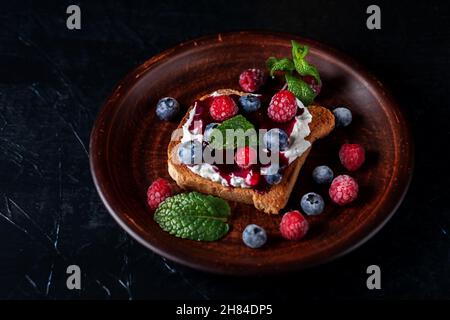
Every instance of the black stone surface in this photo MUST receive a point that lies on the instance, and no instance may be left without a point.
(53, 82)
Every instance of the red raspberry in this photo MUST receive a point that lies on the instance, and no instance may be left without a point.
(283, 106)
(158, 192)
(293, 225)
(252, 179)
(223, 108)
(245, 157)
(251, 80)
(343, 190)
(352, 156)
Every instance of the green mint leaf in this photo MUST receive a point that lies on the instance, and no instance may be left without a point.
(299, 51)
(300, 89)
(283, 64)
(302, 66)
(233, 133)
(194, 216)
(306, 69)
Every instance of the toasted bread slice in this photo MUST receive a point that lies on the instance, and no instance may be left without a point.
(271, 201)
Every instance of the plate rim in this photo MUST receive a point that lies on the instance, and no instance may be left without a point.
(288, 267)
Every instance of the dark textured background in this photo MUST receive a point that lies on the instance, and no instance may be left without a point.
(53, 82)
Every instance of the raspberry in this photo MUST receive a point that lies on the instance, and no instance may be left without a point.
(223, 108)
(245, 157)
(251, 80)
(343, 190)
(252, 179)
(283, 106)
(293, 225)
(158, 192)
(352, 156)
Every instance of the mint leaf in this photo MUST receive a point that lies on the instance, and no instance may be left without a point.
(232, 133)
(194, 216)
(299, 51)
(283, 64)
(306, 69)
(300, 89)
(299, 64)
(302, 66)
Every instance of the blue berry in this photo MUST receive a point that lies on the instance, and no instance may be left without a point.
(190, 152)
(167, 108)
(276, 138)
(249, 103)
(323, 175)
(273, 178)
(312, 203)
(254, 236)
(208, 131)
(343, 116)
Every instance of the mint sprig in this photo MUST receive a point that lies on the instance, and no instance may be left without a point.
(299, 51)
(283, 64)
(300, 89)
(233, 133)
(303, 67)
(194, 216)
(294, 68)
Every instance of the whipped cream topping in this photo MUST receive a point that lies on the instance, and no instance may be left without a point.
(211, 172)
(187, 134)
(297, 142)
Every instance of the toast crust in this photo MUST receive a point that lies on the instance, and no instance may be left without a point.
(271, 201)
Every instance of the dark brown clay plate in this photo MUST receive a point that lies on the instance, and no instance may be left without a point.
(128, 151)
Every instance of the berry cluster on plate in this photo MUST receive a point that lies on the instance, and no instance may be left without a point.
(204, 217)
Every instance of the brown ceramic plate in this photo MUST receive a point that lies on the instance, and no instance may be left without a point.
(128, 151)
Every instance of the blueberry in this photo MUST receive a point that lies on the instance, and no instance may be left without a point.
(167, 108)
(273, 178)
(276, 138)
(254, 236)
(322, 175)
(190, 152)
(208, 131)
(312, 203)
(249, 103)
(343, 116)
(272, 168)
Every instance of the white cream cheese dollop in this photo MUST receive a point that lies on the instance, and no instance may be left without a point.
(187, 134)
(211, 172)
(297, 142)
(297, 146)
(208, 171)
